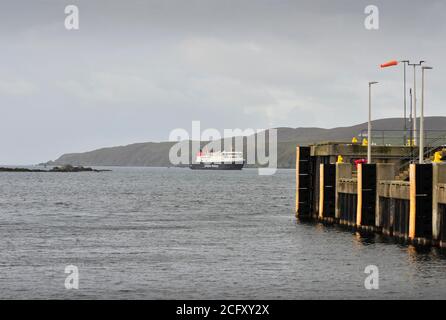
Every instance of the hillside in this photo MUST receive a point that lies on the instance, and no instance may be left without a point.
(154, 154)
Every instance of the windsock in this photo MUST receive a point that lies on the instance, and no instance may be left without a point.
(389, 64)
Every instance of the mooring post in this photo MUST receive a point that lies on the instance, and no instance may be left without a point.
(321, 191)
(413, 200)
(297, 182)
(420, 217)
(303, 182)
(359, 192)
(366, 190)
(327, 190)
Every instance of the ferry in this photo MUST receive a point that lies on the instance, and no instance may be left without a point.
(221, 160)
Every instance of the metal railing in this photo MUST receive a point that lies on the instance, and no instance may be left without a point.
(434, 140)
(430, 148)
(401, 137)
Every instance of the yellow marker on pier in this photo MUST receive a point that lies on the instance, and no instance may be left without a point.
(365, 142)
(340, 159)
(437, 157)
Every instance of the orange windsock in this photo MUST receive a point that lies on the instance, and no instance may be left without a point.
(389, 64)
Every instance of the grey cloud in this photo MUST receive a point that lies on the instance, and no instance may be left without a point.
(138, 69)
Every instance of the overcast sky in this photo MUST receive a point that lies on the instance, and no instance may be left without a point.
(135, 70)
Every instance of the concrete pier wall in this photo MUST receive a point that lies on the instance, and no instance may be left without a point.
(344, 172)
(409, 204)
(393, 199)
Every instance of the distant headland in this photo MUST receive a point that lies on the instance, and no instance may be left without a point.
(156, 154)
(64, 168)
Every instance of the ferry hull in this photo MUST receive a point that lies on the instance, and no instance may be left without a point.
(217, 166)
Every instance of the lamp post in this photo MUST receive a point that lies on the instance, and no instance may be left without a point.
(369, 126)
(421, 148)
(415, 98)
(405, 62)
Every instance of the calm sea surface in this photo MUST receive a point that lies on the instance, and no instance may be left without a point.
(161, 233)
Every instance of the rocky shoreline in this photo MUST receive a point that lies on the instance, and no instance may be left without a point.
(66, 168)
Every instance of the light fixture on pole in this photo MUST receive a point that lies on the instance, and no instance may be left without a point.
(369, 126)
(421, 148)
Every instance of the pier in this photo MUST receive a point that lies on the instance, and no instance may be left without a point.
(393, 195)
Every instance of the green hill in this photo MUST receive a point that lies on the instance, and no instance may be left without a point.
(154, 154)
